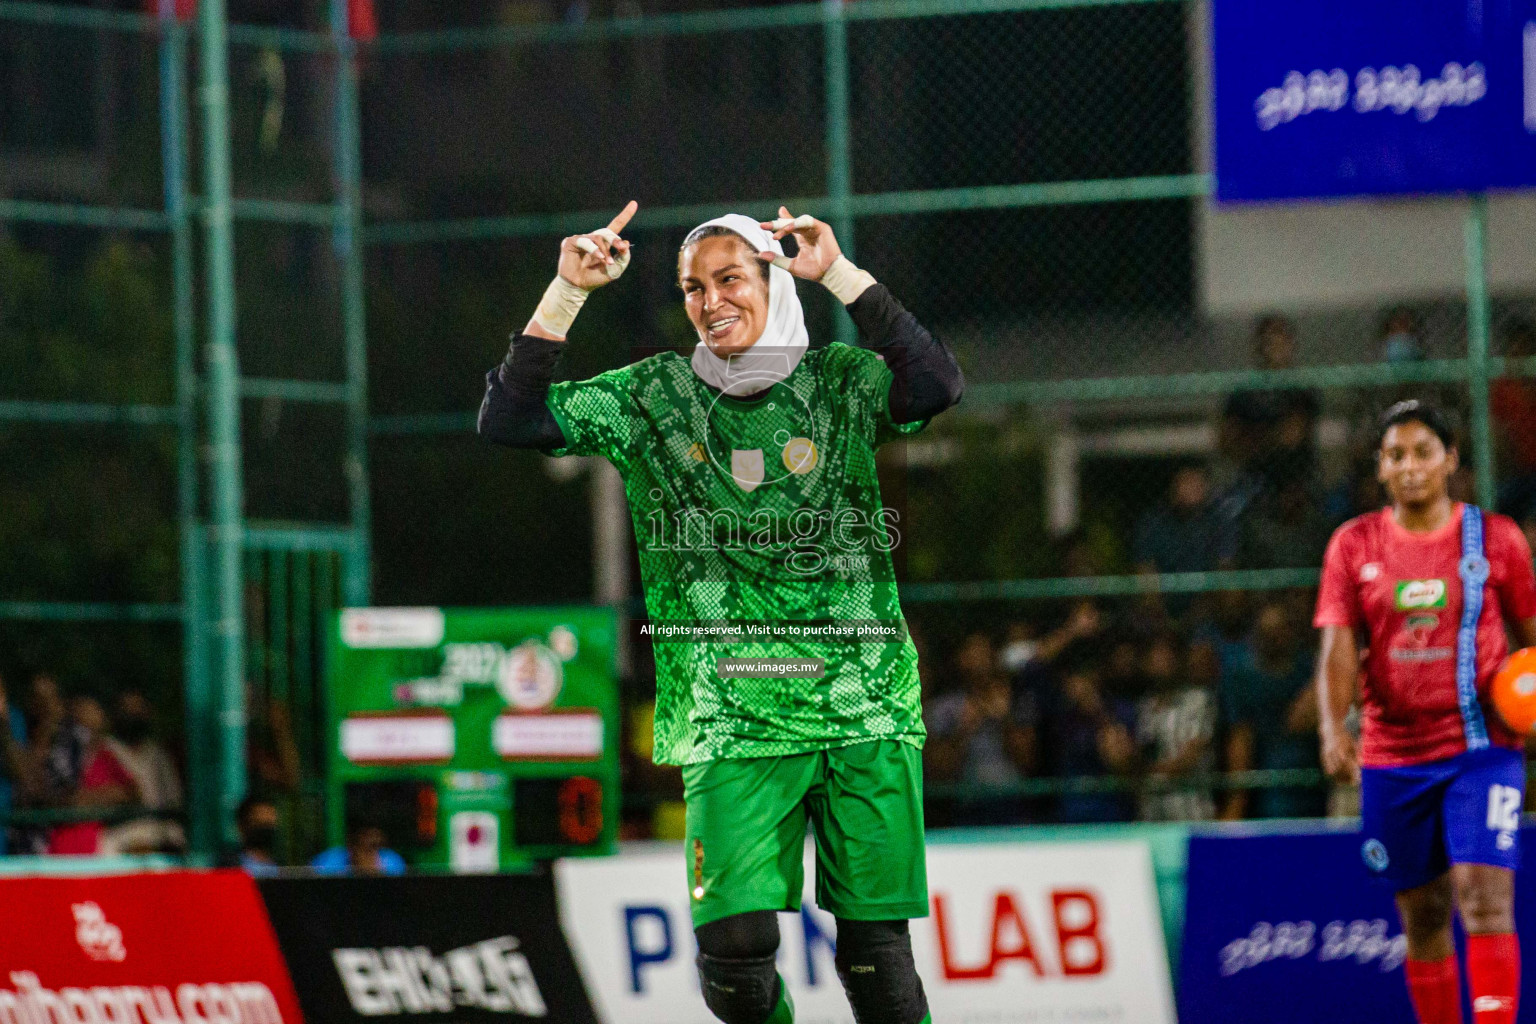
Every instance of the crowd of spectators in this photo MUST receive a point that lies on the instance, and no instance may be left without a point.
(109, 782)
(95, 779)
(1140, 719)
(1148, 701)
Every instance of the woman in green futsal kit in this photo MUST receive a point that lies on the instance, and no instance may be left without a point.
(750, 472)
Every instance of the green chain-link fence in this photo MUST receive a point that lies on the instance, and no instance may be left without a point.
(1025, 175)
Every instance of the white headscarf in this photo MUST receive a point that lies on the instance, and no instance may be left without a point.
(784, 340)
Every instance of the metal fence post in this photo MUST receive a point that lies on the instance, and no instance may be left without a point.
(839, 159)
(348, 243)
(1477, 348)
(201, 767)
(226, 524)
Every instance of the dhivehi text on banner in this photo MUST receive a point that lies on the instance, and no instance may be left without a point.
(1318, 98)
(1285, 928)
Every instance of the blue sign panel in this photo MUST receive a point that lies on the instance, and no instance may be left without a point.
(1321, 98)
(1286, 928)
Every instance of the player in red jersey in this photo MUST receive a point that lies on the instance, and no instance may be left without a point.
(1428, 586)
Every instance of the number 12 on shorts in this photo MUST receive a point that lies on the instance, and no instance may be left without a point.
(1504, 811)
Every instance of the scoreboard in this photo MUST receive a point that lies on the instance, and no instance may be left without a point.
(476, 738)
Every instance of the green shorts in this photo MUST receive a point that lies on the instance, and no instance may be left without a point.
(746, 832)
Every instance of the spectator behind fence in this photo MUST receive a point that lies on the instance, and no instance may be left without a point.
(982, 734)
(1089, 735)
(1085, 553)
(363, 854)
(1401, 339)
(1021, 645)
(155, 774)
(55, 744)
(1513, 404)
(1226, 629)
(1185, 533)
(1401, 336)
(1028, 658)
(1270, 432)
(1175, 727)
(100, 779)
(1284, 529)
(270, 747)
(13, 762)
(1270, 713)
(257, 823)
(1120, 676)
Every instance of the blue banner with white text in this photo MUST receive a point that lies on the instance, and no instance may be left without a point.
(1286, 928)
(1321, 98)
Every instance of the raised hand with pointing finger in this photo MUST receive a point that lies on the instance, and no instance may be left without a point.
(754, 421)
(587, 262)
(592, 260)
(819, 258)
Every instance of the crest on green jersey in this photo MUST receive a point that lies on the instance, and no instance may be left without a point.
(747, 468)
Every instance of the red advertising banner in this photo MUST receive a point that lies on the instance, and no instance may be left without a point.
(182, 947)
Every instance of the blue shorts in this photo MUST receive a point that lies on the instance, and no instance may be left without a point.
(1416, 821)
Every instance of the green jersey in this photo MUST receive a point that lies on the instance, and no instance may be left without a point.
(761, 535)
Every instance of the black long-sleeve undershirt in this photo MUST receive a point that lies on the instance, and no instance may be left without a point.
(515, 411)
(926, 380)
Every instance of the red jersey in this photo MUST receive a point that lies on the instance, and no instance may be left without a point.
(1404, 590)
(84, 837)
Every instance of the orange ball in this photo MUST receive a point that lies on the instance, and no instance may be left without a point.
(1514, 691)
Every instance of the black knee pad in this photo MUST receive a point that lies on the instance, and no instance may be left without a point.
(736, 966)
(740, 936)
(874, 963)
(739, 991)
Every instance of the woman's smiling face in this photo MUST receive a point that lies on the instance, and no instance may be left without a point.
(725, 292)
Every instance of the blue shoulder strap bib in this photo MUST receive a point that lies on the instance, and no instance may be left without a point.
(1474, 574)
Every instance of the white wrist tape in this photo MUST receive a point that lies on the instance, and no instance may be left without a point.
(846, 281)
(805, 220)
(559, 306)
(620, 261)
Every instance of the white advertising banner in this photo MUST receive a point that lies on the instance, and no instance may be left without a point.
(1019, 933)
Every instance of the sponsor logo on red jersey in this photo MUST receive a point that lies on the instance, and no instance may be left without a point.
(1415, 594)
